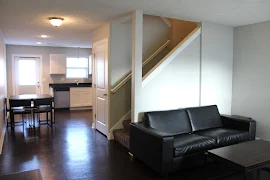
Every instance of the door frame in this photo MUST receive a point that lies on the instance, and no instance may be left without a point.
(106, 40)
(14, 73)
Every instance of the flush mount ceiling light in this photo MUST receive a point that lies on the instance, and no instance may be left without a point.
(56, 21)
(38, 42)
(44, 36)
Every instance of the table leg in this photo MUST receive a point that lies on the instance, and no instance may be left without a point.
(34, 122)
(12, 119)
(51, 114)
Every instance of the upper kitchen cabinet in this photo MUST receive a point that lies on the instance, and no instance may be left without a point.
(58, 63)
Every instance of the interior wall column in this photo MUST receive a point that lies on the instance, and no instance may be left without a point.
(136, 87)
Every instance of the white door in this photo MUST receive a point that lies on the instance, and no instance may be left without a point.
(101, 98)
(27, 76)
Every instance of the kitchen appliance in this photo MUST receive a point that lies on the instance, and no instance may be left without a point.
(61, 97)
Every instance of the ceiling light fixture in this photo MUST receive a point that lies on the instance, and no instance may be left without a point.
(56, 21)
(38, 42)
(44, 36)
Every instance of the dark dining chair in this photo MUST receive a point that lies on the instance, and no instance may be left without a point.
(20, 107)
(44, 106)
(6, 111)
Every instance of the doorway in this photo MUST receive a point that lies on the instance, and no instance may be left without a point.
(26, 74)
(101, 94)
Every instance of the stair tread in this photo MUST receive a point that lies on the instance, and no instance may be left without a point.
(121, 136)
(121, 131)
(126, 124)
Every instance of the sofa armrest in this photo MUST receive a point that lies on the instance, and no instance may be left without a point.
(240, 123)
(153, 147)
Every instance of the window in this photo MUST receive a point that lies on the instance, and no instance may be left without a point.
(77, 68)
(27, 72)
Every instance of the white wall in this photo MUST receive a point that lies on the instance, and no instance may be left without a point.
(3, 87)
(120, 51)
(101, 33)
(155, 34)
(202, 73)
(45, 52)
(251, 84)
(177, 85)
(216, 67)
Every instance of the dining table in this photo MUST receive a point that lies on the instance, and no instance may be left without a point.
(30, 97)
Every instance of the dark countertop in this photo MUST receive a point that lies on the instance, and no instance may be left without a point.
(66, 85)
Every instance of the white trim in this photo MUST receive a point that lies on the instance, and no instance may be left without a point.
(40, 70)
(128, 77)
(2, 138)
(136, 79)
(80, 108)
(119, 124)
(170, 57)
(166, 20)
(200, 75)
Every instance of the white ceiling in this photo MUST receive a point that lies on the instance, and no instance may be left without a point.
(23, 21)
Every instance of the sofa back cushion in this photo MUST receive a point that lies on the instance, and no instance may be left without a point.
(171, 121)
(205, 117)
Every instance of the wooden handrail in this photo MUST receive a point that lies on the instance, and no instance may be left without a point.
(128, 77)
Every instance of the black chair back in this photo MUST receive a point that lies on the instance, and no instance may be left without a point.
(43, 102)
(19, 103)
(5, 104)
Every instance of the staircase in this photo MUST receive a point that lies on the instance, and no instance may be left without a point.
(151, 67)
(122, 135)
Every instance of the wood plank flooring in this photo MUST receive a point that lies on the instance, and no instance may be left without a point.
(73, 150)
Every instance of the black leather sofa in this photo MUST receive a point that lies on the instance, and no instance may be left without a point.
(168, 141)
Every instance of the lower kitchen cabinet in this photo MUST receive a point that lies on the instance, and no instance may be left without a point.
(80, 97)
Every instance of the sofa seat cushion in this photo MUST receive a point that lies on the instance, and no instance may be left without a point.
(225, 136)
(191, 143)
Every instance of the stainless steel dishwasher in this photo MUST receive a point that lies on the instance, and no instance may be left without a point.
(61, 97)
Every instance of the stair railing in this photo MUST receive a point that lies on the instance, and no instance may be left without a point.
(128, 77)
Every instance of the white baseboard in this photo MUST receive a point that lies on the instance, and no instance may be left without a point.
(119, 124)
(80, 108)
(2, 138)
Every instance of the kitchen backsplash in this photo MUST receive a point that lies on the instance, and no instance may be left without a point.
(63, 79)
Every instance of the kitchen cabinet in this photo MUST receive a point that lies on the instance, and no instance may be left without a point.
(58, 63)
(80, 97)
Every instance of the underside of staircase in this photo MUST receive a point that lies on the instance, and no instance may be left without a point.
(122, 135)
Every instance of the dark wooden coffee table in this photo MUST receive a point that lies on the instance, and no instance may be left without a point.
(247, 156)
